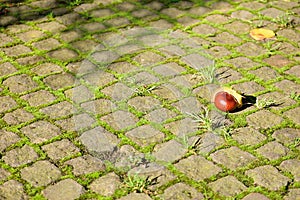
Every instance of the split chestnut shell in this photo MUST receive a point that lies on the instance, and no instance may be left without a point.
(227, 100)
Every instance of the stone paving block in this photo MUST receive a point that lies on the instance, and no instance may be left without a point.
(47, 69)
(17, 50)
(263, 119)
(84, 45)
(182, 127)
(5, 39)
(65, 189)
(160, 115)
(118, 91)
(287, 86)
(60, 149)
(69, 18)
(106, 185)
(144, 78)
(52, 27)
(255, 196)
(99, 106)
(281, 100)
(69, 36)
(31, 35)
(39, 98)
(181, 191)
(226, 38)
(277, 61)
(47, 44)
(3, 174)
(286, 135)
(197, 168)
(99, 13)
(188, 105)
(168, 91)
(58, 110)
(227, 186)
(196, 61)
(7, 103)
(30, 60)
(7, 68)
(251, 49)
(94, 80)
(147, 58)
(248, 87)
(120, 119)
(248, 135)
(20, 83)
(7, 139)
(145, 135)
(20, 156)
(17, 116)
(294, 114)
(291, 166)
(135, 196)
(227, 75)
(79, 94)
(272, 12)
(273, 150)
(76, 122)
(41, 173)
(144, 103)
(63, 54)
(169, 151)
(242, 62)
(232, 157)
(268, 177)
(218, 52)
(93, 27)
(169, 69)
(12, 190)
(100, 143)
(295, 71)
(293, 194)
(40, 131)
(118, 21)
(265, 73)
(85, 165)
(289, 34)
(243, 15)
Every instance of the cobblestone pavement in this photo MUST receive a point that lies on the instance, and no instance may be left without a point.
(112, 100)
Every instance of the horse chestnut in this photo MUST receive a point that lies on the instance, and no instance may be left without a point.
(227, 100)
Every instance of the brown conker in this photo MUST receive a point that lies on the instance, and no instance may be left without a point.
(225, 101)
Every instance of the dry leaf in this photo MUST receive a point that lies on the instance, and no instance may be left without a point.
(261, 33)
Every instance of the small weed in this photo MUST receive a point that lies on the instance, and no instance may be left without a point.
(208, 73)
(295, 143)
(75, 3)
(284, 20)
(137, 183)
(225, 132)
(271, 49)
(144, 90)
(295, 96)
(265, 103)
(203, 119)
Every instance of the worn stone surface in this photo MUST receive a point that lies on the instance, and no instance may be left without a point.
(268, 176)
(65, 189)
(248, 136)
(232, 157)
(106, 185)
(41, 173)
(181, 191)
(273, 150)
(197, 168)
(20, 83)
(263, 119)
(20, 156)
(228, 186)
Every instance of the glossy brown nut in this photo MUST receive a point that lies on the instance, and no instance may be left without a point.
(225, 101)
